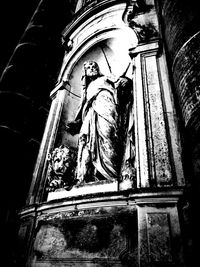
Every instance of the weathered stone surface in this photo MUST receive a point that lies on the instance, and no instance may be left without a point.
(159, 234)
(157, 124)
(181, 26)
(93, 238)
(180, 19)
(50, 241)
(159, 237)
(187, 79)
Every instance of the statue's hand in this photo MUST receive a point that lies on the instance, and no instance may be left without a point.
(124, 89)
(73, 127)
(122, 82)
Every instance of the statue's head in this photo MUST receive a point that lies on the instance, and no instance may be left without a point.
(91, 69)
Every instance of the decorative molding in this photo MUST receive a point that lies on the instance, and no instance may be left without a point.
(69, 214)
(86, 12)
(103, 211)
(67, 44)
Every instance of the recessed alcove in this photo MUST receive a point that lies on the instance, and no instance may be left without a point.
(110, 50)
(113, 59)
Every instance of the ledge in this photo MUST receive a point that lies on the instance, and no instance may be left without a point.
(166, 196)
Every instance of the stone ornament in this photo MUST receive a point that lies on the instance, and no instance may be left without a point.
(134, 18)
(144, 32)
(61, 169)
(136, 7)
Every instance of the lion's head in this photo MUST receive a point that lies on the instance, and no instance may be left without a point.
(62, 165)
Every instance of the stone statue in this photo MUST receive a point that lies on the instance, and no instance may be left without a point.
(105, 126)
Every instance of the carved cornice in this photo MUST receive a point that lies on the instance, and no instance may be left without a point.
(153, 47)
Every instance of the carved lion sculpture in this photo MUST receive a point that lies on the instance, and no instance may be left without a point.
(62, 166)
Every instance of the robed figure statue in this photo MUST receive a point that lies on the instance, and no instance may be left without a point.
(104, 123)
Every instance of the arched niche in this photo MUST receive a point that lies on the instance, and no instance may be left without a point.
(105, 38)
(110, 49)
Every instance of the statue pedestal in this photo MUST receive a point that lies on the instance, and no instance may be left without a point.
(90, 188)
(139, 229)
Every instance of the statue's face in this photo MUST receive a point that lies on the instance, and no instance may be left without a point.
(91, 69)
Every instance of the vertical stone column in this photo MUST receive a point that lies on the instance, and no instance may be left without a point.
(140, 126)
(181, 23)
(159, 162)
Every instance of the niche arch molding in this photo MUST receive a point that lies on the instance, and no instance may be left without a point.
(99, 28)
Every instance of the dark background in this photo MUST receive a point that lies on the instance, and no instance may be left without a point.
(14, 17)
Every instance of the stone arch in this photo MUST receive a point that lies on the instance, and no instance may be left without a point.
(107, 24)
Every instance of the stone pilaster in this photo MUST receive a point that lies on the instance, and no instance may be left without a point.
(157, 141)
(159, 234)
